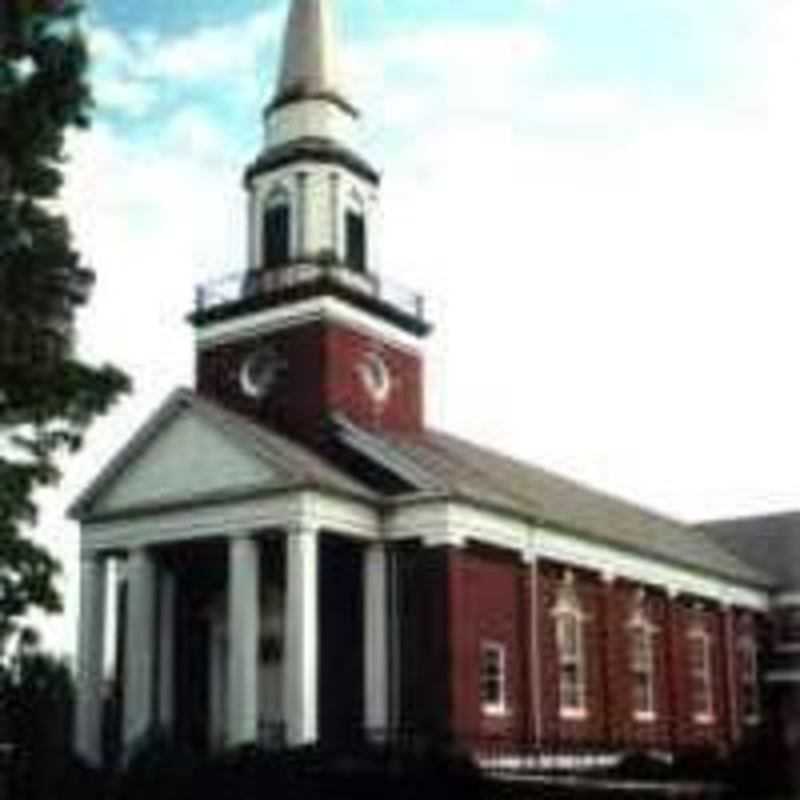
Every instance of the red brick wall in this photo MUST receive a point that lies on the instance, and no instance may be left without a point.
(490, 598)
(344, 389)
(320, 375)
(489, 601)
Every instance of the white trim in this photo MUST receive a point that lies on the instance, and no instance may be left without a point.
(499, 708)
(641, 625)
(360, 520)
(289, 316)
(699, 633)
(787, 647)
(787, 599)
(783, 676)
(568, 610)
(445, 522)
(573, 713)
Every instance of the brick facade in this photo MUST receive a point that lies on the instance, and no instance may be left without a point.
(487, 595)
(320, 374)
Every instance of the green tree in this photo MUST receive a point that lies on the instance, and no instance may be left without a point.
(48, 396)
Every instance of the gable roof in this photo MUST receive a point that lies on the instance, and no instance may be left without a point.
(771, 542)
(275, 462)
(466, 471)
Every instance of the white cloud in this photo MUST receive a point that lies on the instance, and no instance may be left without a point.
(213, 53)
(131, 72)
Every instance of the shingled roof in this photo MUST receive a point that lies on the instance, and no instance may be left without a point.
(467, 471)
(771, 543)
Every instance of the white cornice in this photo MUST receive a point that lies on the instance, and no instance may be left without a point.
(286, 511)
(447, 522)
(321, 308)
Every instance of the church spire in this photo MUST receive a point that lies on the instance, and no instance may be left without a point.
(310, 67)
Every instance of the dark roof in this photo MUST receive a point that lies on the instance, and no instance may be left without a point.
(488, 478)
(771, 543)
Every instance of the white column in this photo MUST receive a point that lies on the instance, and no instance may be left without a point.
(302, 636)
(140, 648)
(376, 661)
(166, 650)
(91, 638)
(243, 641)
(335, 215)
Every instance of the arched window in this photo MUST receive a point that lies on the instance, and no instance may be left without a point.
(277, 229)
(700, 688)
(355, 233)
(571, 650)
(641, 633)
(748, 679)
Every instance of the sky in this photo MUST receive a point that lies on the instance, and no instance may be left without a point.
(598, 199)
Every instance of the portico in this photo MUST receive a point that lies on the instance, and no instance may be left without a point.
(251, 564)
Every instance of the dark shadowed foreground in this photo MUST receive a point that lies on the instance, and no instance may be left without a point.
(159, 772)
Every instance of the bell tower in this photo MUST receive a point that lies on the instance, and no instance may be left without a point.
(310, 329)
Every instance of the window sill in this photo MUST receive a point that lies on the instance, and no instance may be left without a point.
(573, 713)
(644, 716)
(495, 712)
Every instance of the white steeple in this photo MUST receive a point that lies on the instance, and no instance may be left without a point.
(310, 66)
(313, 198)
(310, 98)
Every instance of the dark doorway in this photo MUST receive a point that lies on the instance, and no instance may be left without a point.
(341, 668)
(200, 570)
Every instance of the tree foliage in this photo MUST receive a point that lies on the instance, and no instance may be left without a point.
(48, 396)
(36, 706)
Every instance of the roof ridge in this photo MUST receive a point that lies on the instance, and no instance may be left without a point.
(311, 459)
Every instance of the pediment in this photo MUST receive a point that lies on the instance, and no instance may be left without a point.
(180, 456)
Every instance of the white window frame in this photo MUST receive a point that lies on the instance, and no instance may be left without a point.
(703, 674)
(640, 625)
(493, 651)
(748, 677)
(568, 611)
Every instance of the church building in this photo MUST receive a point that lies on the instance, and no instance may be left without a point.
(306, 560)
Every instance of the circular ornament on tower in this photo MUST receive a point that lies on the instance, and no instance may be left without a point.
(259, 372)
(376, 377)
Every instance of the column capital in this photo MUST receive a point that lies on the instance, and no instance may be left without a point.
(446, 539)
(302, 527)
(608, 576)
(92, 557)
(242, 536)
(673, 591)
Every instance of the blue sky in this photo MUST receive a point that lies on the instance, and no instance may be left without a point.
(598, 199)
